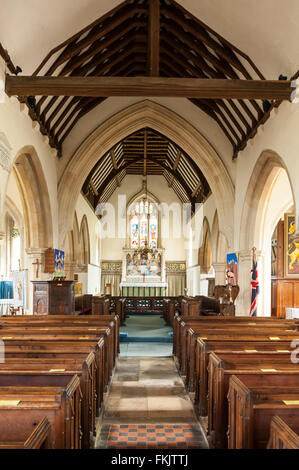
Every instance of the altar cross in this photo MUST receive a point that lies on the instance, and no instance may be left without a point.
(37, 263)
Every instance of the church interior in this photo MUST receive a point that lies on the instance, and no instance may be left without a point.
(149, 224)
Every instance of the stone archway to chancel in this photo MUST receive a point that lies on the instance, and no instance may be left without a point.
(146, 114)
(269, 195)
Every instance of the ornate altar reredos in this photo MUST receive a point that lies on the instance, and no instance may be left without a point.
(143, 274)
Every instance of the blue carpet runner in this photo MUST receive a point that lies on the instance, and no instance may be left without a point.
(125, 335)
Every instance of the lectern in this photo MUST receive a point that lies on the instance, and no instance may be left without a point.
(53, 298)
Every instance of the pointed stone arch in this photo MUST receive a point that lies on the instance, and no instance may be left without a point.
(257, 224)
(205, 252)
(264, 173)
(35, 198)
(76, 237)
(146, 114)
(84, 241)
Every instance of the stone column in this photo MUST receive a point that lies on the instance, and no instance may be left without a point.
(124, 265)
(220, 273)
(69, 270)
(34, 254)
(163, 265)
(244, 278)
(2, 238)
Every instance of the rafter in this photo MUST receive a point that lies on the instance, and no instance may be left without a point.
(153, 38)
(145, 152)
(112, 153)
(175, 165)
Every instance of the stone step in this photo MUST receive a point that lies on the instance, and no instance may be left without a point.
(157, 408)
(153, 388)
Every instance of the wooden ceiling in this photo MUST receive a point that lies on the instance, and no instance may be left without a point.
(146, 152)
(148, 38)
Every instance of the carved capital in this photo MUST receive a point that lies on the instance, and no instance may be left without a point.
(35, 251)
(219, 266)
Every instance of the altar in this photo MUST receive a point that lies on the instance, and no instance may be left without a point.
(143, 275)
(143, 289)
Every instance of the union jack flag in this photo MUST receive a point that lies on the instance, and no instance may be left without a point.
(254, 286)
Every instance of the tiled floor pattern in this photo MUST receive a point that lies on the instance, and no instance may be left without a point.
(150, 436)
(148, 407)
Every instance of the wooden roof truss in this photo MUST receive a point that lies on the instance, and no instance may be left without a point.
(146, 152)
(149, 38)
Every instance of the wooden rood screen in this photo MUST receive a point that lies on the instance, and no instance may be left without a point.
(55, 373)
(239, 374)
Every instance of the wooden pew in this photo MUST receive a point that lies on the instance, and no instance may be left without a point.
(92, 365)
(169, 309)
(83, 304)
(68, 334)
(37, 438)
(188, 348)
(100, 305)
(50, 345)
(236, 347)
(194, 332)
(59, 352)
(191, 306)
(41, 371)
(284, 433)
(21, 408)
(111, 321)
(252, 406)
(52, 331)
(181, 324)
(220, 371)
(117, 307)
(89, 321)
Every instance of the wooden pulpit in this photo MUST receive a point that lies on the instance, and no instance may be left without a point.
(53, 298)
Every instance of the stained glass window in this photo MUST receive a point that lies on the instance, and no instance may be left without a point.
(143, 225)
(153, 231)
(134, 232)
(143, 230)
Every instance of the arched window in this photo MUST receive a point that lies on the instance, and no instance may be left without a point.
(143, 224)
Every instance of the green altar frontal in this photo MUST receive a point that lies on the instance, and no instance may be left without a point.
(143, 291)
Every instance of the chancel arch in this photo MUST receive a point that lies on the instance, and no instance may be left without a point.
(146, 114)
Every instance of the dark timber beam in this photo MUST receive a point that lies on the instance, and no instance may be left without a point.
(112, 153)
(149, 86)
(153, 38)
(178, 156)
(145, 153)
